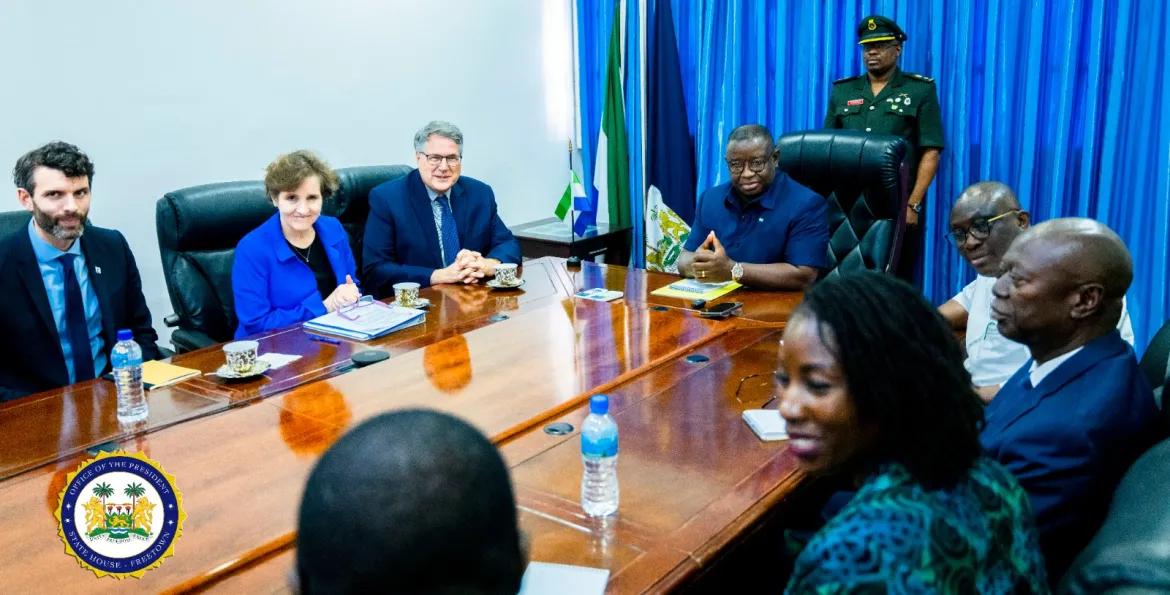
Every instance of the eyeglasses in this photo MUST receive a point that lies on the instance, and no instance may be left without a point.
(766, 383)
(434, 160)
(979, 229)
(350, 312)
(757, 165)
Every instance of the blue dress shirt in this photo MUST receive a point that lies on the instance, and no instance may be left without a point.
(787, 223)
(52, 273)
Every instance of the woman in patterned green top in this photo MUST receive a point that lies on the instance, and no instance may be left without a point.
(873, 388)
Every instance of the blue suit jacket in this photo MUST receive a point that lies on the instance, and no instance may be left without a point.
(402, 242)
(272, 287)
(1069, 440)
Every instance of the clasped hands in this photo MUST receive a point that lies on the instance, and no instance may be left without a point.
(347, 293)
(711, 263)
(469, 267)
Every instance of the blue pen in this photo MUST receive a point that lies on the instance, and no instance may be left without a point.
(321, 339)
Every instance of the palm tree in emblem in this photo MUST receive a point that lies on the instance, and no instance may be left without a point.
(135, 491)
(103, 491)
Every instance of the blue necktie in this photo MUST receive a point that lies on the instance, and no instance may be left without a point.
(75, 324)
(449, 234)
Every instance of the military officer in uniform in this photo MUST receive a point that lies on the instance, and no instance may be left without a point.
(889, 101)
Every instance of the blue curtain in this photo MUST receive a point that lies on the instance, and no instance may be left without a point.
(1064, 101)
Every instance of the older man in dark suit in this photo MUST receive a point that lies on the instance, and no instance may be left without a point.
(1074, 417)
(434, 225)
(68, 286)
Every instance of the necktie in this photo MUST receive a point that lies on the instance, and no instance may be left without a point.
(75, 324)
(449, 235)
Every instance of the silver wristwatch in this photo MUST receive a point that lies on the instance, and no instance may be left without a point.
(736, 272)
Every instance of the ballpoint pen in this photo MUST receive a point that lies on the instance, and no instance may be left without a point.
(321, 339)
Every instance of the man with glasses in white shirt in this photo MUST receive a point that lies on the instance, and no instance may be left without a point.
(984, 221)
(434, 225)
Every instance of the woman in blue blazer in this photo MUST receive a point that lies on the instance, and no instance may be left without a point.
(297, 265)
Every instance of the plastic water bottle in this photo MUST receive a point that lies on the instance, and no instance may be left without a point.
(126, 358)
(599, 450)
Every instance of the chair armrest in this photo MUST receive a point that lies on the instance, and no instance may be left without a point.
(171, 320)
(185, 340)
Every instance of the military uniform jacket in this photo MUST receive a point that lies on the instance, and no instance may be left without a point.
(906, 107)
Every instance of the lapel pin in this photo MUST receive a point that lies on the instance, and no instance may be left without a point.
(97, 270)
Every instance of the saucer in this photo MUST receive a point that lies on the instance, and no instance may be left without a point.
(260, 367)
(421, 303)
(494, 284)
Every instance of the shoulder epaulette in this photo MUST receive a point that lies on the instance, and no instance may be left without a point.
(847, 79)
(920, 77)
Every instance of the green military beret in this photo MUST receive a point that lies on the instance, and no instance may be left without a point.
(878, 28)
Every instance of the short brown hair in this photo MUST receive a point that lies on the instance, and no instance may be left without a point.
(287, 172)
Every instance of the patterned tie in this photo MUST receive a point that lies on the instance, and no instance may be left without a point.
(449, 234)
(75, 323)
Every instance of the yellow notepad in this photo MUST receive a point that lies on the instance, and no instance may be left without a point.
(157, 373)
(691, 289)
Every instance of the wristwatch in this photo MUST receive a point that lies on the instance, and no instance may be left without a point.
(916, 207)
(736, 272)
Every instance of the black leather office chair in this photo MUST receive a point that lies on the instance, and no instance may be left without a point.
(1129, 554)
(865, 179)
(11, 221)
(199, 227)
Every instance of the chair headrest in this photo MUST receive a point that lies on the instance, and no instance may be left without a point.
(856, 162)
(211, 216)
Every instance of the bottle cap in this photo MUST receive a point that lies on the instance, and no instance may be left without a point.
(125, 334)
(599, 404)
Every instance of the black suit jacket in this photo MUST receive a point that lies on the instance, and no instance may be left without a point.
(30, 350)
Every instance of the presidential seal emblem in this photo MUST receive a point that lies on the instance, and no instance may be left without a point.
(120, 514)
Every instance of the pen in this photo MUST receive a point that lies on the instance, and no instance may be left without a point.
(321, 339)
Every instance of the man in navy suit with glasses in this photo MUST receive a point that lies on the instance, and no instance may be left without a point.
(434, 225)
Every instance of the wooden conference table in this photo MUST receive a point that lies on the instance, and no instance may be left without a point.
(693, 477)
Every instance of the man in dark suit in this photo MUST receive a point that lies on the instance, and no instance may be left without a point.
(68, 286)
(433, 225)
(1074, 417)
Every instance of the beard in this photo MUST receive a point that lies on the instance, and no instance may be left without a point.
(52, 225)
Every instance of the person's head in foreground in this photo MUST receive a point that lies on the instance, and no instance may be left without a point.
(1061, 286)
(869, 374)
(410, 502)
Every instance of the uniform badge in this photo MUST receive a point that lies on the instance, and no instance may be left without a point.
(120, 514)
(871, 25)
(855, 102)
(907, 100)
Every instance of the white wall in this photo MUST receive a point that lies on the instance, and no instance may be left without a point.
(164, 95)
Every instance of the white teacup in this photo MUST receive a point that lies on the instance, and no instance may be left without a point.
(506, 273)
(406, 294)
(241, 355)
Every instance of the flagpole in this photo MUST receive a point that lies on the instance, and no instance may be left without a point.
(572, 207)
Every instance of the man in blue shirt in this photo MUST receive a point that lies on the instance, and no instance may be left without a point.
(69, 286)
(762, 229)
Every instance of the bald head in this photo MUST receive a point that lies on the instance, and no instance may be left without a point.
(1062, 286)
(988, 194)
(1089, 252)
(985, 219)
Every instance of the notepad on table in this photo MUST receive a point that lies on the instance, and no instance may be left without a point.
(767, 424)
(692, 289)
(365, 320)
(157, 374)
(599, 294)
(544, 578)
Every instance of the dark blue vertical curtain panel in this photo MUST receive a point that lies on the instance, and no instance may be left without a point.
(1063, 101)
